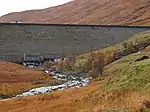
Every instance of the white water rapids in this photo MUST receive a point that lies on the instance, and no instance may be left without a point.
(72, 82)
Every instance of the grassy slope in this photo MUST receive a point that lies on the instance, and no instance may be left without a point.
(123, 88)
(15, 78)
(134, 74)
(140, 38)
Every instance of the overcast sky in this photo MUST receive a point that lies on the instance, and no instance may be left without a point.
(8, 6)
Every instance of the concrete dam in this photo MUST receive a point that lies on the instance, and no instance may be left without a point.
(59, 40)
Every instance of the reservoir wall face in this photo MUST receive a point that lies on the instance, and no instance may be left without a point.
(58, 40)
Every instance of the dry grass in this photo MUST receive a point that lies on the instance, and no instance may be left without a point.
(147, 49)
(86, 99)
(54, 102)
(15, 88)
(10, 72)
(133, 12)
(15, 78)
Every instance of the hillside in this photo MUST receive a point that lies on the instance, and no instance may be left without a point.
(124, 87)
(120, 12)
(10, 72)
(16, 78)
(136, 43)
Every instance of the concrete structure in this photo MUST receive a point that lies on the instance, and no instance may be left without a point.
(59, 40)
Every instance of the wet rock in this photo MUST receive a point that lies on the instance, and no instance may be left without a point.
(69, 82)
(142, 58)
(2, 96)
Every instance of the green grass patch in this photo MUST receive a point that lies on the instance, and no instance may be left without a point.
(129, 75)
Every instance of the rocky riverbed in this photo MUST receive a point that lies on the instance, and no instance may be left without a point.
(70, 81)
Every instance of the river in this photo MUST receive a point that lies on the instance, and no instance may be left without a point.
(70, 81)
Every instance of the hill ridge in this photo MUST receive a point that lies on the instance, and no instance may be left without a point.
(119, 12)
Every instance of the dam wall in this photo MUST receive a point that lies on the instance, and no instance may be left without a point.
(59, 40)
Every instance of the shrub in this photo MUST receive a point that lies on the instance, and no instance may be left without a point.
(66, 64)
(91, 58)
(60, 65)
(69, 62)
(109, 57)
(99, 63)
(97, 66)
(94, 73)
(48, 64)
(128, 46)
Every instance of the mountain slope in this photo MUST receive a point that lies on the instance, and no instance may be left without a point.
(124, 87)
(122, 12)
